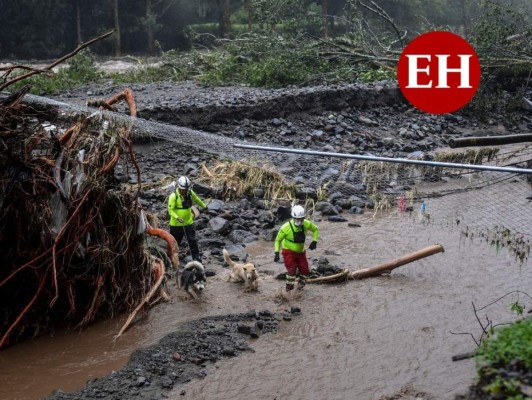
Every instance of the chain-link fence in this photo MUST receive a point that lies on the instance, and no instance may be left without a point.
(441, 189)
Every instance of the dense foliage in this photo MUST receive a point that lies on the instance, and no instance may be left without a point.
(46, 29)
(504, 359)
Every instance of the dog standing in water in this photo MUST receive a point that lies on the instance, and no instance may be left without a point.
(241, 272)
(192, 279)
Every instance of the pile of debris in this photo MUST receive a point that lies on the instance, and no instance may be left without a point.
(71, 236)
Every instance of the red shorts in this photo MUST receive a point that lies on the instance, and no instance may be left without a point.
(295, 261)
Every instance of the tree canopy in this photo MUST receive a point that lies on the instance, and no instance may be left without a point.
(35, 29)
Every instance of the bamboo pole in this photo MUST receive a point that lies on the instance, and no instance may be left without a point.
(489, 140)
(388, 266)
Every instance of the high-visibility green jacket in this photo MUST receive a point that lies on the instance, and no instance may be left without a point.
(285, 236)
(180, 210)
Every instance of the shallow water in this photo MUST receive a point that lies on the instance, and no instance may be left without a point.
(359, 340)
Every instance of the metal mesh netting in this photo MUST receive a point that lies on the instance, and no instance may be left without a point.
(493, 205)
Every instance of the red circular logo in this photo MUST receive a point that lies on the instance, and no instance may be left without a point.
(438, 72)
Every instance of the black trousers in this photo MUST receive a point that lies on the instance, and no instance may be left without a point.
(189, 233)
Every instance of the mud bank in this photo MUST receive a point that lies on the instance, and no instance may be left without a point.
(186, 354)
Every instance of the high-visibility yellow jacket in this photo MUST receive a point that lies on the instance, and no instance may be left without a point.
(180, 210)
(285, 236)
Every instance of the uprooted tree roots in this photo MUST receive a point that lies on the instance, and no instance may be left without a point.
(71, 248)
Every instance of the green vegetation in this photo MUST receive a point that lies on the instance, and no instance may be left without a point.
(501, 36)
(266, 43)
(79, 71)
(504, 358)
(260, 61)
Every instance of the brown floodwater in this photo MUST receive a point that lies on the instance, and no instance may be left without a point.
(359, 340)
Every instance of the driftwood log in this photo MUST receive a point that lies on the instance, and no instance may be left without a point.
(387, 267)
(380, 269)
(489, 140)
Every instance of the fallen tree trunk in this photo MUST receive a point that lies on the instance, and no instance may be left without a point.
(388, 266)
(489, 140)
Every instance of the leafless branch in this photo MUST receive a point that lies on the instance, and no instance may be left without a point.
(488, 326)
(59, 61)
(466, 333)
(502, 297)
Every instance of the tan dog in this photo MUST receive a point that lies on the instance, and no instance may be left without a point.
(242, 273)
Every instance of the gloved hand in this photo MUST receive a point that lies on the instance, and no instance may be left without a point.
(313, 245)
(277, 257)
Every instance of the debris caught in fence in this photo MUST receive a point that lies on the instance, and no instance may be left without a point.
(72, 237)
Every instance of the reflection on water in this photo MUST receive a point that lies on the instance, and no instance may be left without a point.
(358, 340)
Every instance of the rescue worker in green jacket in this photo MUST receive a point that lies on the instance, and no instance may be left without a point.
(291, 237)
(182, 217)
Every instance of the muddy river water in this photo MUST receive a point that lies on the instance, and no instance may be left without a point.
(367, 339)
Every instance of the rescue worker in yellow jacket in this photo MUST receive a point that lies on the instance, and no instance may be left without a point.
(182, 217)
(291, 237)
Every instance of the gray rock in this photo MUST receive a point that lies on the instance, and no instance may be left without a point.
(306, 193)
(241, 236)
(209, 242)
(237, 250)
(259, 193)
(335, 196)
(336, 218)
(357, 201)
(188, 168)
(343, 203)
(317, 134)
(215, 205)
(219, 225)
(229, 351)
(326, 208)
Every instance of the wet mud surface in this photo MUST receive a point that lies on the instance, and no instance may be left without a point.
(185, 354)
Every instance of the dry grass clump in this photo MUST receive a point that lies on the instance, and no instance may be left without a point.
(469, 156)
(377, 175)
(240, 178)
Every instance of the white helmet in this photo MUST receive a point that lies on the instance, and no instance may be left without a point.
(183, 183)
(298, 212)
